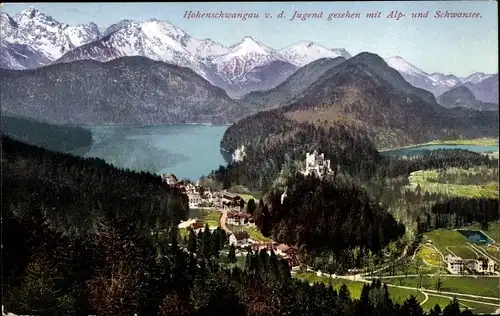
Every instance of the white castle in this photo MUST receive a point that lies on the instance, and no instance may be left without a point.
(317, 164)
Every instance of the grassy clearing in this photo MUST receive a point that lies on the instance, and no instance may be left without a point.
(433, 300)
(466, 285)
(207, 216)
(441, 238)
(424, 179)
(430, 256)
(254, 232)
(396, 294)
(462, 252)
(477, 308)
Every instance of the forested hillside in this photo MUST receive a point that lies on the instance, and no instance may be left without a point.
(274, 143)
(83, 238)
(49, 136)
(332, 214)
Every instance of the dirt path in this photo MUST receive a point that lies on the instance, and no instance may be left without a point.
(223, 220)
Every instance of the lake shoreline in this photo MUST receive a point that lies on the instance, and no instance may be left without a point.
(153, 125)
(457, 142)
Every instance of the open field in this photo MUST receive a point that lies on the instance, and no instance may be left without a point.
(254, 232)
(485, 141)
(466, 285)
(206, 215)
(427, 181)
(443, 301)
(396, 294)
(446, 241)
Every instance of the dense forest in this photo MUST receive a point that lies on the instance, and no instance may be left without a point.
(333, 215)
(81, 237)
(50, 136)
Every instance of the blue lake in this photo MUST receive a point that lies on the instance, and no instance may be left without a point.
(188, 151)
(420, 150)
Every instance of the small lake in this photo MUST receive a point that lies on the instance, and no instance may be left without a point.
(420, 150)
(188, 151)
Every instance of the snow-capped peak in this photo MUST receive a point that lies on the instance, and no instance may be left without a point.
(44, 34)
(401, 65)
(305, 52)
(248, 45)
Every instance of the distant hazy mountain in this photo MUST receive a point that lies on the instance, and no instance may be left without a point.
(461, 96)
(291, 88)
(54, 137)
(485, 90)
(365, 93)
(128, 90)
(476, 77)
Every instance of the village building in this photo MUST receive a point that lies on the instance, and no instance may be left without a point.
(239, 239)
(194, 200)
(239, 218)
(196, 225)
(288, 253)
(317, 164)
(169, 178)
(231, 200)
(484, 265)
(264, 245)
(455, 265)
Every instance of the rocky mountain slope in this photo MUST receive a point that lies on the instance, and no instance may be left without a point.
(127, 90)
(44, 38)
(461, 96)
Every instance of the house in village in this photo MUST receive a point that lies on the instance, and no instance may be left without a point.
(240, 239)
(239, 218)
(289, 253)
(455, 265)
(317, 164)
(196, 225)
(484, 265)
(194, 200)
(231, 200)
(264, 245)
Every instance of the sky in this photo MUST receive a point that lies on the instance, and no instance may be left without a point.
(458, 46)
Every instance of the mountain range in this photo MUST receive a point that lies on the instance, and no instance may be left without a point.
(361, 93)
(243, 67)
(32, 39)
(165, 75)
